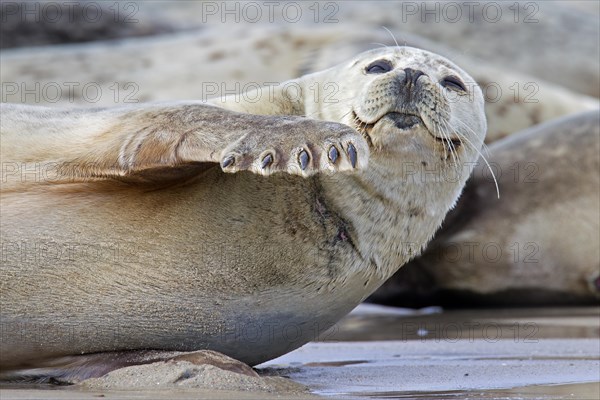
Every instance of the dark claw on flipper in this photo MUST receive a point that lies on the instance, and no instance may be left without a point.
(333, 154)
(352, 154)
(266, 161)
(303, 159)
(228, 161)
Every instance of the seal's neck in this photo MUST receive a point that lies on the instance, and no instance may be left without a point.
(392, 217)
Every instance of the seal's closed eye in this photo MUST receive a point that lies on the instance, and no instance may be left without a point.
(453, 83)
(379, 67)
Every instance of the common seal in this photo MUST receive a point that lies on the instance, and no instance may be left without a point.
(188, 257)
(536, 245)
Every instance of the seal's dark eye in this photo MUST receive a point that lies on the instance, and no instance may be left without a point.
(452, 82)
(379, 67)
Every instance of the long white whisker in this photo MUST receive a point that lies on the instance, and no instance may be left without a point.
(441, 131)
(447, 115)
(392, 35)
(483, 145)
(381, 44)
(488, 165)
(453, 152)
(462, 136)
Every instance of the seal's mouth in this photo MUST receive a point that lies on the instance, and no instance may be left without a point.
(403, 121)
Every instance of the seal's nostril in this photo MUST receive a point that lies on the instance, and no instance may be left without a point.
(412, 75)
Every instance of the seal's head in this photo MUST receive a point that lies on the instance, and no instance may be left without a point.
(424, 121)
(411, 104)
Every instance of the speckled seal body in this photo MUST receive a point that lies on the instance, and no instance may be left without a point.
(186, 226)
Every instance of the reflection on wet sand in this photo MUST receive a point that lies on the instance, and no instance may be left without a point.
(370, 322)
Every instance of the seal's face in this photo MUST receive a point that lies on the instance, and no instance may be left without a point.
(411, 103)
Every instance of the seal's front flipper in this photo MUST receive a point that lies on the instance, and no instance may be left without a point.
(170, 142)
(297, 146)
(74, 369)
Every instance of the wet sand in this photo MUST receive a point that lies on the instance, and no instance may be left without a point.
(376, 369)
(378, 352)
